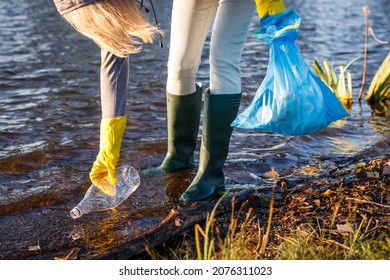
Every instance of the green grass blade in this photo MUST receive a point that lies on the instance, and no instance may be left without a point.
(380, 85)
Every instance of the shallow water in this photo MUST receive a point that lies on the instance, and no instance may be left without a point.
(50, 113)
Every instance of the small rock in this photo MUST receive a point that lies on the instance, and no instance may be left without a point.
(344, 228)
(34, 248)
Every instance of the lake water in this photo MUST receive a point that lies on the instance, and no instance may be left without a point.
(50, 114)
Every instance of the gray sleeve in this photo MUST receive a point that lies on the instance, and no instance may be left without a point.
(114, 77)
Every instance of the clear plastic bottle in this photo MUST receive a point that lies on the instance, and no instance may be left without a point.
(96, 200)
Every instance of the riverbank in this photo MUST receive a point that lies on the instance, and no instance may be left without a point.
(324, 210)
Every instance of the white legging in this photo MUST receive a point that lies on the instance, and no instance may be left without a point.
(191, 21)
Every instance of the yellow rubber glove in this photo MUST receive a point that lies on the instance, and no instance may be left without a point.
(270, 7)
(103, 173)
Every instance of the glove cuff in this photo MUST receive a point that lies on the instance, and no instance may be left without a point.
(269, 7)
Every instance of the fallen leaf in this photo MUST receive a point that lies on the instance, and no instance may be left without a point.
(309, 191)
(361, 188)
(310, 170)
(299, 198)
(317, 202)
(328, 192)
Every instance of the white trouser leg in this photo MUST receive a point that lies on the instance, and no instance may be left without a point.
(228, 37)
(191, 21)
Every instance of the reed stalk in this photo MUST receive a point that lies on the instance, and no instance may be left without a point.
(365, 11)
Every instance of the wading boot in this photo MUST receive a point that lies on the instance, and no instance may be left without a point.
(183, 114)
(219, 112)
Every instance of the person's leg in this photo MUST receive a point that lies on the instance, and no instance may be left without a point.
(227, 43)
(114, 72)
(223, 99)
(191, 20)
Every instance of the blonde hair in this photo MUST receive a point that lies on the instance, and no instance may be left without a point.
(119, 26)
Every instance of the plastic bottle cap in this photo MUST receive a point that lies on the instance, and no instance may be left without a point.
(75, 213)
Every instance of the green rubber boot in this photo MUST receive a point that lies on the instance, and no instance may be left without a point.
(219, 112)
(183, 126)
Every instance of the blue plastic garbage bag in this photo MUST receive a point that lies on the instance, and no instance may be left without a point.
(291, 100)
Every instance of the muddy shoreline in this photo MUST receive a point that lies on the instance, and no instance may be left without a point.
(303, 197)
(358, 186)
